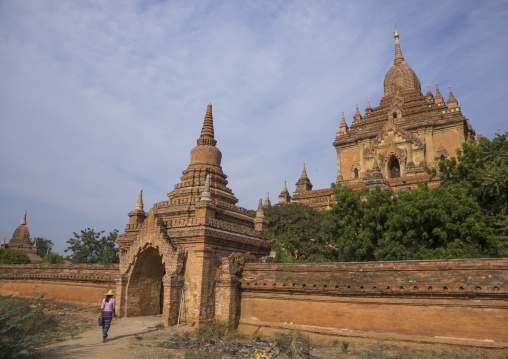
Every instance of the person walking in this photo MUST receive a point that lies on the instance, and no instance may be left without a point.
(107, 312)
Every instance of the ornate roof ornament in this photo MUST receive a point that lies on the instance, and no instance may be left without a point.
(304, 172)
(357, 116)
(303, 183)
(207, 196)
(452, 102)
(400, 77)
(207, 134)
(23, 221)
(439, 97)
(139, 203)
(343, 126)
(398, 52)
(260, 213)
(368, 108)
(284, 196)
(429, 94)
(268, 203)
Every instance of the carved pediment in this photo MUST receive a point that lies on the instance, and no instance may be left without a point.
(392, 151)
(398, 133)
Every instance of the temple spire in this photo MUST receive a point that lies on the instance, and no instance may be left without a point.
(304, 172)
(268, 203)
(498, 132)
(439, 97)
(357, 116)
(23, 221)
(368, 108)
(207, 134)
(260, 213)
(303, 183)
(139, 203)
(452, 102)
(343, 126)
(284, 196)
(429, 93)
(398, 52)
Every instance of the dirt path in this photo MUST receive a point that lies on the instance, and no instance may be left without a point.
(125, 339)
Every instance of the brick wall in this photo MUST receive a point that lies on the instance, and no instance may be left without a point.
(440, 301)
(72, 283)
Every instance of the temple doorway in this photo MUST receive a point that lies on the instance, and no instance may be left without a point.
(146, 292)
(394, 168)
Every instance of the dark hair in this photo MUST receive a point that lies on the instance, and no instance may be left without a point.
(107, 298)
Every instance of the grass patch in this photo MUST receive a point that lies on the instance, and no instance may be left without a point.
(295, 341)
(212, 329)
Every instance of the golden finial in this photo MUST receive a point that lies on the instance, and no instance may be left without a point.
(396, 33)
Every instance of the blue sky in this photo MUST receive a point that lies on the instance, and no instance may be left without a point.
(100, 98)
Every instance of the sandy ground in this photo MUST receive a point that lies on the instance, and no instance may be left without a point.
(140, 337)
(127, 338)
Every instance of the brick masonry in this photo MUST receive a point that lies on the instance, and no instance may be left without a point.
(72, 283)
(437, 301)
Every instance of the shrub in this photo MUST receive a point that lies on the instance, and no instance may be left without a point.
(16, 337)
(13, 257)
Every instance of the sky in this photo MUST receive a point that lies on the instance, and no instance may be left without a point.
(100, 98)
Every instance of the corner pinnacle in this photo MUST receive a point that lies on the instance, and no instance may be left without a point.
(207, 196)
(304, 172)
(139, 203)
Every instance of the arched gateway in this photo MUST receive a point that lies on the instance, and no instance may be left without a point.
(182, 258)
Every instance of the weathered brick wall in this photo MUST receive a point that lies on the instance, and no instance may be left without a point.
(448, 301)
(72, 283)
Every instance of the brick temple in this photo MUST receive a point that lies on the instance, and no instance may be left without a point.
(20, 242)
(180, 258)
(391, 144)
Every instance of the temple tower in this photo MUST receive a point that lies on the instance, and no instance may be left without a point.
(284, 196)
(181, 258)
(20, 242)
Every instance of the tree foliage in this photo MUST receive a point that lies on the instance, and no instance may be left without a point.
(439, 223)
(53, 258)
(44, 245)
(300, 233)
(93, 247)
(483, 169)
(13, 257)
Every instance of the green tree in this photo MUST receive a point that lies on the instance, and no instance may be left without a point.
(443, 222)
(92, 247)
(300, 233)
(44, 245)
(13, 257)
(360, 218)
(53, 258)
(482, 167)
